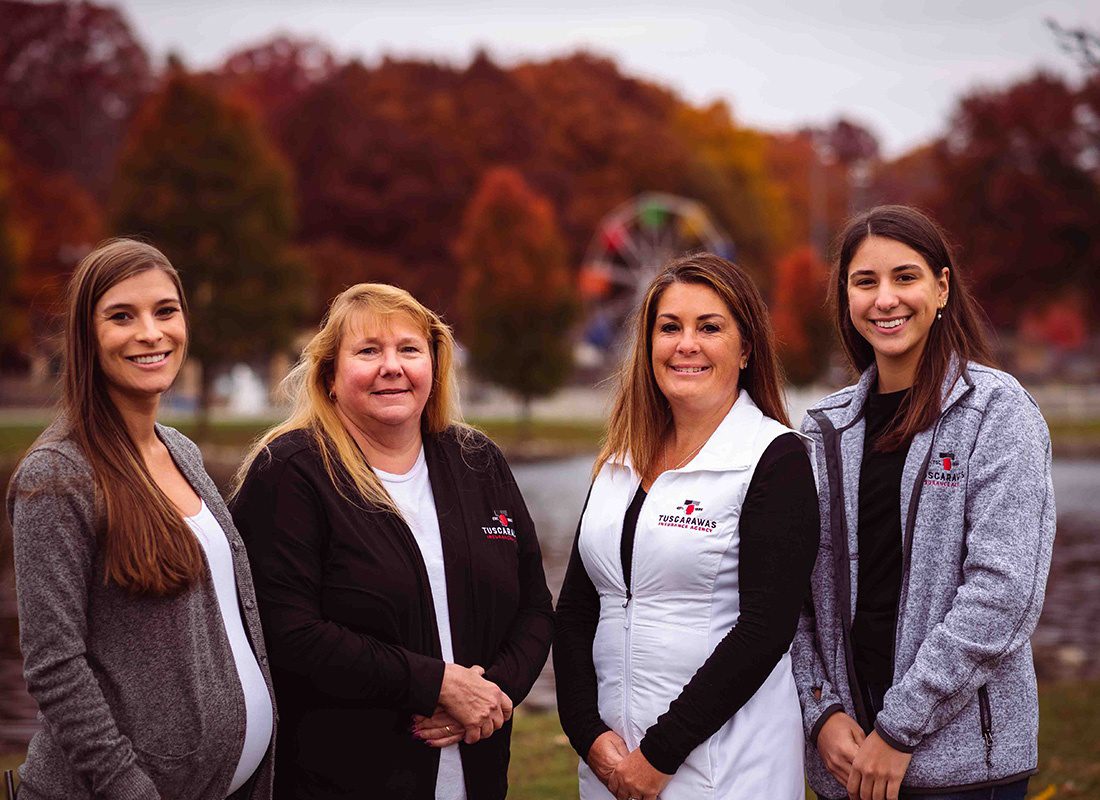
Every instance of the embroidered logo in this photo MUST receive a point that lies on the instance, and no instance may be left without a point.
(690, 507)
(687, 519)
(500, 526)
(946, 471)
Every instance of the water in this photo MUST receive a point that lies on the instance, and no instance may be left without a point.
(1067, 641)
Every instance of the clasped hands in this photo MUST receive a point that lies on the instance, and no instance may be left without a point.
(470, 709)
(627, 774)
(866, 765)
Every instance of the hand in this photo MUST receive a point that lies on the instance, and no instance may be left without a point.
(438, 730)
(477, 704)
(877, 770)
(838, 741)
(605, 754)
(636, 779)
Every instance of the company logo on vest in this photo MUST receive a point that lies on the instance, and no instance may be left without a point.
(688, 519)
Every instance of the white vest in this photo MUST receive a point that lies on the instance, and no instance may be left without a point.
(684, 600)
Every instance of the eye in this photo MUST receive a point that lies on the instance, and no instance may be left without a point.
(167, 311)
(906, 277)
(669, 327)
(710, 327)
(410, 348)
(119, 316)
(369, 350)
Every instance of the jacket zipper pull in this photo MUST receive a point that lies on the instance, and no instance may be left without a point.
(626, 604)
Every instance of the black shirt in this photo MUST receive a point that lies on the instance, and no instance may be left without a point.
(879, 533)
(779, 530)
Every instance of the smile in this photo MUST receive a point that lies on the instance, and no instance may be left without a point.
(689, 370)
(390, 391)
(889, 324)
(155, 358)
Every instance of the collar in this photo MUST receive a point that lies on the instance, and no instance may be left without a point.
(844, 409)
(731, 444)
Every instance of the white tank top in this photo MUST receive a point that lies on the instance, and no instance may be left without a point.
(257, 701)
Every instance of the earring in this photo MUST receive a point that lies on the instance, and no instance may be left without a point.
(939, 314)
(332, 395)
(744, 363)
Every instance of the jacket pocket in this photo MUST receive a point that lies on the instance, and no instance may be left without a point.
(986, 717)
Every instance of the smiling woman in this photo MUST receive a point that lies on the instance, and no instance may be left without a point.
(398, 571)
(123, 546)
(691, 559)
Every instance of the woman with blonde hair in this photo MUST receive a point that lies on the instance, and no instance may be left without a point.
(398, 572)
(137, 619)
(692, 558)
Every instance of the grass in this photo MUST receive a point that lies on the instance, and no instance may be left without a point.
(563, 435)
(544, 766)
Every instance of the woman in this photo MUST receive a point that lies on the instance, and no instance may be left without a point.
(137, 618)
(692, 559)
(913, 662)
(399, 576)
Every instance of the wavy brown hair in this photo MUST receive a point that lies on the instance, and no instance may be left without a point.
(961, 331)
(308, 383)
(147, 546)
(640, 414)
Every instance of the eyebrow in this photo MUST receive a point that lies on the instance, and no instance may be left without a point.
(898, 268)
(129, 306)
(714, 315)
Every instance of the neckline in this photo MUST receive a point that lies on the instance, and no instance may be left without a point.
(194, 517)
(391, 477)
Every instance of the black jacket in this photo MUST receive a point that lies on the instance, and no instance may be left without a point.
(350, 625)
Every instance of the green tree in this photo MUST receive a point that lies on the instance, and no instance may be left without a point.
(518, 300)
(200, 181)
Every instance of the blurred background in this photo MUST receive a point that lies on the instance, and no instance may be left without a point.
(524, 171)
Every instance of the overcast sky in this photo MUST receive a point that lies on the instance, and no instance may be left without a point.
(896, 67)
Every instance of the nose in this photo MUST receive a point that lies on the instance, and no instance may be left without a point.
(391, 364)
(150, 332)
(886, 298)
(688, 342)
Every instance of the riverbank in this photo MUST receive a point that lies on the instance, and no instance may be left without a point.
(544, 766)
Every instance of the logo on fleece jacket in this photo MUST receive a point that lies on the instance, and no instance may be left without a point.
(688, 518)
(945, 471)
(500, 527)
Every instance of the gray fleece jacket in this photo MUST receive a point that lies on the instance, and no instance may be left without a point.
(977, 515)
(139, 697)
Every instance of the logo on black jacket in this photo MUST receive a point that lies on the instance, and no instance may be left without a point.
(501, 526)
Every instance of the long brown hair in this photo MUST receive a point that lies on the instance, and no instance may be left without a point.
(640, 414)
(961, 330)
(147, 546)
(308, 383)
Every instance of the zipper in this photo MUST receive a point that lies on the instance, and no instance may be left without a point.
(987, 724)
(628, 614)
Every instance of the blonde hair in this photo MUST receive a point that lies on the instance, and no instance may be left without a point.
(640, 414)
(307, 386)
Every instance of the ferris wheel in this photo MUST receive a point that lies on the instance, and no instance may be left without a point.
(630, 246)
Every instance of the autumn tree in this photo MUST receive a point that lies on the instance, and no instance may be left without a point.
(201, 182)
(803, 328)
(518, 301)
(1021, 194)
(12, 311)
(72, 75)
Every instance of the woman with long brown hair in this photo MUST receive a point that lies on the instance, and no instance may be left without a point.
(937, 509)
(692, 558)
(137, 619)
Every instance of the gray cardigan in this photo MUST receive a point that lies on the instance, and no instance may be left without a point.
(977, 514)
(139, 697)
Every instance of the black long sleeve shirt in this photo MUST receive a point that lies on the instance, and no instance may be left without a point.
(778, 531)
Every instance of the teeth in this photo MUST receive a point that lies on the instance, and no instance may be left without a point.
(689, 369)
(890, 323)
(150, 359)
